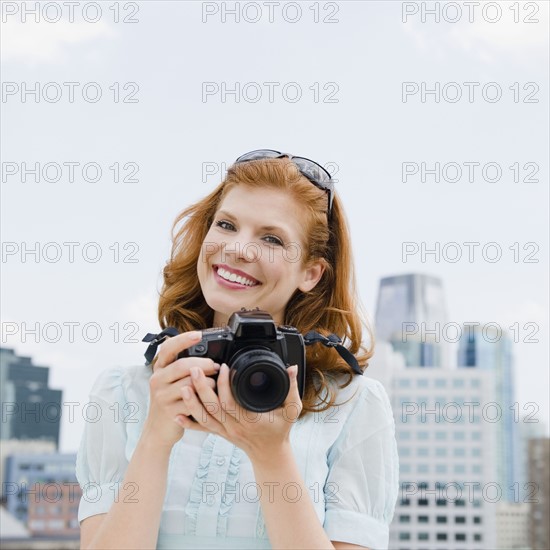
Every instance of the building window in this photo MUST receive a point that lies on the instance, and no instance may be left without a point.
(476, 451)
(441, 536)
(477, 503)
(405, 468)
(423, 435)
(440, 383)
(404, 451)
(404, 536)
(477, 519)
(422, 383)
(422, 502)
(404, 435)
(441, 502)
(423, 451)
(459, 451)
(441, 519)
(404, 519)
(423, 536)
(423, 468)
(460, 469)
(405, 502)
(423, 485)
(460, 536)
(423, 519)
(440, 451)
(441, 436)
(478, 537)
(458, 436)
(460, 502)
(404, 383)
(476, 436)
(477, 469)
(474, 383)
(460, 519)
(441, 468)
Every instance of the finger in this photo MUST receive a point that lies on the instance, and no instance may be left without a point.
(169, 349)
(199, 412)
(187, 423)
(207, 396)
(227, 401)
(180, 368)
(293, 403)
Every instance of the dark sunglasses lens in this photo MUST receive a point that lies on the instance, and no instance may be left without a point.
(259, 154)
(312, 171)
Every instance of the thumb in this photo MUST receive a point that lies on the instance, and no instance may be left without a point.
(293, 400)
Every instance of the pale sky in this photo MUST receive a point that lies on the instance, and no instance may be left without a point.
(351, 116)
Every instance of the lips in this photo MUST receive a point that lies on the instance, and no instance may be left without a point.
(234, 277)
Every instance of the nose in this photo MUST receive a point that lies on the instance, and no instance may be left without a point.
(242, 249)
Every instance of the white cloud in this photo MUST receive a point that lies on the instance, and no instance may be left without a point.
(44, 42)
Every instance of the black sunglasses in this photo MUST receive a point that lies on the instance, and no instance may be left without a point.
(313, 171)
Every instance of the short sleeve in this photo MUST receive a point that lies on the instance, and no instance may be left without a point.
(363, 480)
(101, 462)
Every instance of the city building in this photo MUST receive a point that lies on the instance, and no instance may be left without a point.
(30, 409)
(448, 488)
(512, 522)
(487, 347)
(22, 446)
(539, 499)
(411, 314)
(42, 492)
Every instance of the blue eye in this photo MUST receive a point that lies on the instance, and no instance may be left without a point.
(223, 224)
(275, 240)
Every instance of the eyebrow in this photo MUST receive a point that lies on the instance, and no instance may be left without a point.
(282, 230)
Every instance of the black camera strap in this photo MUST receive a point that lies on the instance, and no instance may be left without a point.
(312, 337)
(332, 341)
(156, 340)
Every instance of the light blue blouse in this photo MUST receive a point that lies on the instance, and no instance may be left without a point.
(347, 457)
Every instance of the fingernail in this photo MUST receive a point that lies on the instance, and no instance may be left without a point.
(195, 335)
(178, 420)
(217, 366)
(225, 366)
(195, 373)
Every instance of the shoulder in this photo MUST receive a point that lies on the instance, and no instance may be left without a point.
(362, 394)
(116, 382)
(362, 411)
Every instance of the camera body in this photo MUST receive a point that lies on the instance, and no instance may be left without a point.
(258, 355)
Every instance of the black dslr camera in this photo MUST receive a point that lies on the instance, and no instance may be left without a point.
(257, 355)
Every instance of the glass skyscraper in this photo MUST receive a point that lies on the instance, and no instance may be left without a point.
(489, 348)
(30, 409)
(410, 314)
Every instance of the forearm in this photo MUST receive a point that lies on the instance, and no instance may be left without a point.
(282, 510)
(133, 521)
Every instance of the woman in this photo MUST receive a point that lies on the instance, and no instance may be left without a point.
(189, 468)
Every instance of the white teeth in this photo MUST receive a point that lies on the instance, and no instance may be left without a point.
(227, 275)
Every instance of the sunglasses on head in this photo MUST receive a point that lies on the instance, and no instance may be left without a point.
(313, 171)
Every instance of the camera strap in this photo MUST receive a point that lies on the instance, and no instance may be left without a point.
(156, 340)
(332, 341)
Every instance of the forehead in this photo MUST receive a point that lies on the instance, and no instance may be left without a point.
(265, 207)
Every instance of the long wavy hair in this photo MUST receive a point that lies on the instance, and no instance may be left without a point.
(332, 306)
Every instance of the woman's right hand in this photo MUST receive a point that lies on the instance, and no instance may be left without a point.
(169, 376)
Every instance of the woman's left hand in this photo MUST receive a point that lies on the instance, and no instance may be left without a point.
(259, 435)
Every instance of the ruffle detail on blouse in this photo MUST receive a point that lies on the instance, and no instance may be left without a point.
(195, 496)
(227, 499)
(230, 490)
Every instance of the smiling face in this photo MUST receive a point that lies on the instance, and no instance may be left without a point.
(253, 254)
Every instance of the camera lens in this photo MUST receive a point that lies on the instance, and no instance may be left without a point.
(259, 380)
